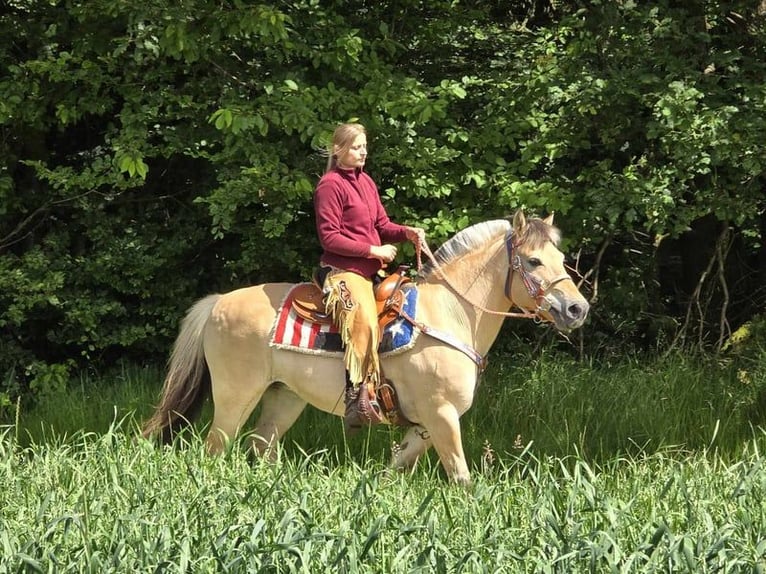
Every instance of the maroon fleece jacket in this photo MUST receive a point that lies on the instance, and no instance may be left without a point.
(349, 218)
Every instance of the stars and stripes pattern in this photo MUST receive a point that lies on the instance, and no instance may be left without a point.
(294, 333)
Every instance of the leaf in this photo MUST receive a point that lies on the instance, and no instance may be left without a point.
(141, 168)
(222, 118)
(125, 163)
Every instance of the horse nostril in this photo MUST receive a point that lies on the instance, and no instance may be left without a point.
(575, 311)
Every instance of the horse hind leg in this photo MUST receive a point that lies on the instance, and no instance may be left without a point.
(232, 405)
(280, 408)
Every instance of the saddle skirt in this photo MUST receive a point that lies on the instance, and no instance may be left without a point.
(315, 334)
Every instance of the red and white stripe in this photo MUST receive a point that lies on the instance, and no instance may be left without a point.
(297, 332)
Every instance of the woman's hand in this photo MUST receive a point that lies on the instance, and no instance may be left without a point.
(416, 235)
(386, 253)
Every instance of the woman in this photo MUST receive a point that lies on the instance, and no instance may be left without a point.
(357, 239)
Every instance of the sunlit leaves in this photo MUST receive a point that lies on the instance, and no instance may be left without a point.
(132, 164)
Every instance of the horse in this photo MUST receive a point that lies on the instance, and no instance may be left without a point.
(464, 294)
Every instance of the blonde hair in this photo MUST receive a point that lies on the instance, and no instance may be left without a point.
(342, 139)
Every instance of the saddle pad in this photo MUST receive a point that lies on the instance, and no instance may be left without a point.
(293, 333)
(400, 335)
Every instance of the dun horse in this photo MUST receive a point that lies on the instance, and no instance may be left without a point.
(464, 294)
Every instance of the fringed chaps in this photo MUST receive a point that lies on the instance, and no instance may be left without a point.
(350, 300)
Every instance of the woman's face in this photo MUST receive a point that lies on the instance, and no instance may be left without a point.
(356, 154)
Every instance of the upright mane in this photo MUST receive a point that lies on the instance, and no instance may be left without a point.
(466, 241)
(536, 233)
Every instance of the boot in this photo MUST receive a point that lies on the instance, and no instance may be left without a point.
(362, 407)
(352, 420)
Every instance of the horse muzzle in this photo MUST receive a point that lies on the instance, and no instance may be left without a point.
(566, 312)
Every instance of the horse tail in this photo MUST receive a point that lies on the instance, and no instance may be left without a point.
(187, 382)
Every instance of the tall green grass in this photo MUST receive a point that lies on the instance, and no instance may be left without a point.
(109, 503)
(563, 407)
(601, 410)
(651, 466)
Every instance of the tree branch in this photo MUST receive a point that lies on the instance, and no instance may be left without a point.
(695, 302)
(594, 270)
(724, 329)
(17, 234)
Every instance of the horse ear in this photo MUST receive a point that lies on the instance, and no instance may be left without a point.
(549, 219)
(519, 222)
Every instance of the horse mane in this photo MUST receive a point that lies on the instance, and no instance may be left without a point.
(465, 241)
(536, 234)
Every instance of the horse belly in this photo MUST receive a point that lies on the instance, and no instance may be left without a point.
(431, 376)
(318, 380)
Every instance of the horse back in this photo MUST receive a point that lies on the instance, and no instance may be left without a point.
(250, 308)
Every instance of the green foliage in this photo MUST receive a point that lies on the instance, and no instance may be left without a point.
(154, 152)
(749, 341)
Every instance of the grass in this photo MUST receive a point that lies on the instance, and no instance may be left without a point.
(108, 503)
(649, 466)
(562, 406)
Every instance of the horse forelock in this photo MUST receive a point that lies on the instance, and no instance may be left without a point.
(537, 233)
(466, 241)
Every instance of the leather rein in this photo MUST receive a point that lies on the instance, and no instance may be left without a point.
(537, 289)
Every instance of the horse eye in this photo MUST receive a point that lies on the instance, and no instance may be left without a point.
(534, 262)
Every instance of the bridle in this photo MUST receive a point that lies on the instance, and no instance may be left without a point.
(539, 290)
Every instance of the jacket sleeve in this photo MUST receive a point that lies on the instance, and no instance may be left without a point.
(328, 208)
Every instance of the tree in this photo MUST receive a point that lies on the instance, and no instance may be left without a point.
(153, 152)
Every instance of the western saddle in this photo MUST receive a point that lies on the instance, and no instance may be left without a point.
(308, 299)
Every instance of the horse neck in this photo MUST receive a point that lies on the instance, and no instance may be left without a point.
(475, 280)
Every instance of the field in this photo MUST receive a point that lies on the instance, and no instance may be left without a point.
(629, 467)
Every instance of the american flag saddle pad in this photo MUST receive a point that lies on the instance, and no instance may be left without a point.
(293, 333)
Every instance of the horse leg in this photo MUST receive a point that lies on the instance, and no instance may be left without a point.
(280, 408)
(414, 444)
(443, 426)
(232, 407)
